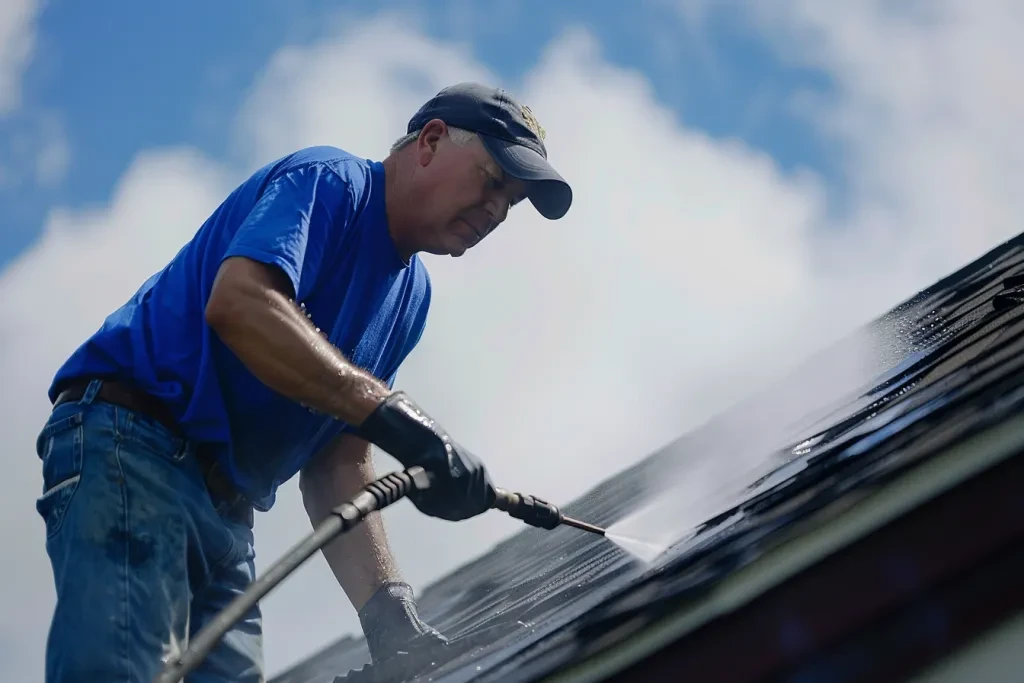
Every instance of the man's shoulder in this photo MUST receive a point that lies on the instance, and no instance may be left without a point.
(326, 154)
(334, 169)
(340, 161)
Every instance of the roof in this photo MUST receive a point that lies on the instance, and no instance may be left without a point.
(945, 376)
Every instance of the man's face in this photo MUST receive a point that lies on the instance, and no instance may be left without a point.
(468, 195)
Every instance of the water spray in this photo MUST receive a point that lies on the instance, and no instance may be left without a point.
(375, 496)
(539, 513)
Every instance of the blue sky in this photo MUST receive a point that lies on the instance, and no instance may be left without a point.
(122, 76)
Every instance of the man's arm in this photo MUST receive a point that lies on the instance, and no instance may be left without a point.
(251, 310)
(279, 255)
(360, 559)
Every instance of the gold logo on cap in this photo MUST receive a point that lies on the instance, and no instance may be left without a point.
(531, 122)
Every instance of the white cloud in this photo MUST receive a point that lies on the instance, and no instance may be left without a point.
(364, 109)
(17, 41)
(926, 108)
(688, 272)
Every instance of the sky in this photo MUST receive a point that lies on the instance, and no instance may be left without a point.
(752, 181)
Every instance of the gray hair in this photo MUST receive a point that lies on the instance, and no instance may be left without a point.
(459, 136)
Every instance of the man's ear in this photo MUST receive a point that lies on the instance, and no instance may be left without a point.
(429, 140)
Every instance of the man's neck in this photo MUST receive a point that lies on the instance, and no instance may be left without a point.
(395, 207)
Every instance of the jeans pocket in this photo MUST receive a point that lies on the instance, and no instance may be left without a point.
(59, 445)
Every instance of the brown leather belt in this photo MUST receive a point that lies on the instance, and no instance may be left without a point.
(135, 400)
(125, 396)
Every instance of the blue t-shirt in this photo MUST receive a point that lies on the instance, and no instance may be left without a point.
(319, 215)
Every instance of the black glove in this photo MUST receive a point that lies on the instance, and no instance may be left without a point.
(461, 488)
(391, 624)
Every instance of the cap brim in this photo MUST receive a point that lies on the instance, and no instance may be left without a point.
(546, 189)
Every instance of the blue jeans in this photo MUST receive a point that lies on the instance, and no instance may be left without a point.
(142, 557)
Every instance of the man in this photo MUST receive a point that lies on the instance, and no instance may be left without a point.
(268, 347)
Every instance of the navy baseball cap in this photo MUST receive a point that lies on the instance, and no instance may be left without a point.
(510, 133)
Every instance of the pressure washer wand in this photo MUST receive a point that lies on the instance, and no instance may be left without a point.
(537, 512)
(569, 521)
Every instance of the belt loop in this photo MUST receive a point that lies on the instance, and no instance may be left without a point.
(91, 391)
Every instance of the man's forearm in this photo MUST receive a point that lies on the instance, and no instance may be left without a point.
(360, 559)
(252, 313)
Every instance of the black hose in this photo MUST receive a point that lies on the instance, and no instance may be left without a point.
(376, 495)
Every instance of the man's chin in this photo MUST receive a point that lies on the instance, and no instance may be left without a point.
(453, 250)
(458, 250)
